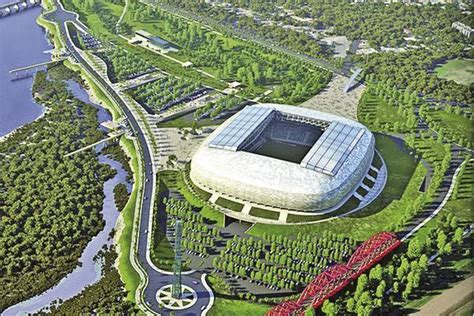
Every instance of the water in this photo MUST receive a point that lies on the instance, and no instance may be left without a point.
(90, 271)
(103, 115)
(23, 43)
(27, 45)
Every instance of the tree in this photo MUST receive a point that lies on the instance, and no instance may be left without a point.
(414, 248)
(350, 304)
(361, 284)
(376, 273)
(448, 249)
(380, 291)
(408, 290)
(458, 236)
(329, 308)
(423, 262)
(395, 287)
(441, 241)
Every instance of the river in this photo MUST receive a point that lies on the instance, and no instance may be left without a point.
(23, 43)
(27, 45)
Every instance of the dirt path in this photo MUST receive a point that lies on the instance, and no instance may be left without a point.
(449, 299)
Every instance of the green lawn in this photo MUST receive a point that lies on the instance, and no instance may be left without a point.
(263, 213)
(162, 253)
(462, 206)
(455, 124)
(430, 149)
(128, 274)
(228, 307)
(405, 177)
(374, 112)
(174, 180)
(231, 205)
(458, 70)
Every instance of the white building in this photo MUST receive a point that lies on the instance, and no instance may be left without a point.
(463, 28)
(284, 157)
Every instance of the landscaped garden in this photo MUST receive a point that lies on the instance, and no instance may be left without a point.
(382, 108)
(123, 65)
(218, 57)
(452, 123)
(213, 109)
(164, 93)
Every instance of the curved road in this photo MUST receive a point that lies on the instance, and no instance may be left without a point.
(156, 278)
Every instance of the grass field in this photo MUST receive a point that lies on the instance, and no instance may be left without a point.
(229, 307)
(231, 205)
(405, 177)
(263, 213)
(162, 253)
(462, 206)
(458, 70)
(454, 124)
(372, 108)
(128, 274)
(174, 180)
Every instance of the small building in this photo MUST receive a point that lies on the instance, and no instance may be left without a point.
(187, 64)
(463, 28)
(234, 84)
(153, 40)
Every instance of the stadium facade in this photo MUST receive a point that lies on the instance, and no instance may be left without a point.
(284, 157)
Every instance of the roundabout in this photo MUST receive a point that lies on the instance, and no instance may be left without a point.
(165, 298)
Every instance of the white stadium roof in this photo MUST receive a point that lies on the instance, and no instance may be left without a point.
(328, 172)
(244, 123)
(332, 149)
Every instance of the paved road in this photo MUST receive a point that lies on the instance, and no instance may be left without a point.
(445, 189)
(156, 279)
(449, 299)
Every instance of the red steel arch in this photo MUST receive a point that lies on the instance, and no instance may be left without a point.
(336, 277)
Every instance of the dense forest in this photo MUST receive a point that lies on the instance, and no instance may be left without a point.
(106, 297)
(49, 205)
(380, 24)
(413, 69)
(229, 59)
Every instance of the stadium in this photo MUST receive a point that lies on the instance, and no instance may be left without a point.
(284, 158)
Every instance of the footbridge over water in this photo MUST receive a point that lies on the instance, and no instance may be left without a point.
(17, 6)
(28, 71)
(111, 136)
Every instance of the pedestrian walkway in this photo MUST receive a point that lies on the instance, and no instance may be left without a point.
(450, 300)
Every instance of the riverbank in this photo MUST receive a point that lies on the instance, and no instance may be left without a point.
(66, 196)
(44, 110)
(125, 224)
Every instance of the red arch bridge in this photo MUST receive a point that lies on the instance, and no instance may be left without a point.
(336, 277)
